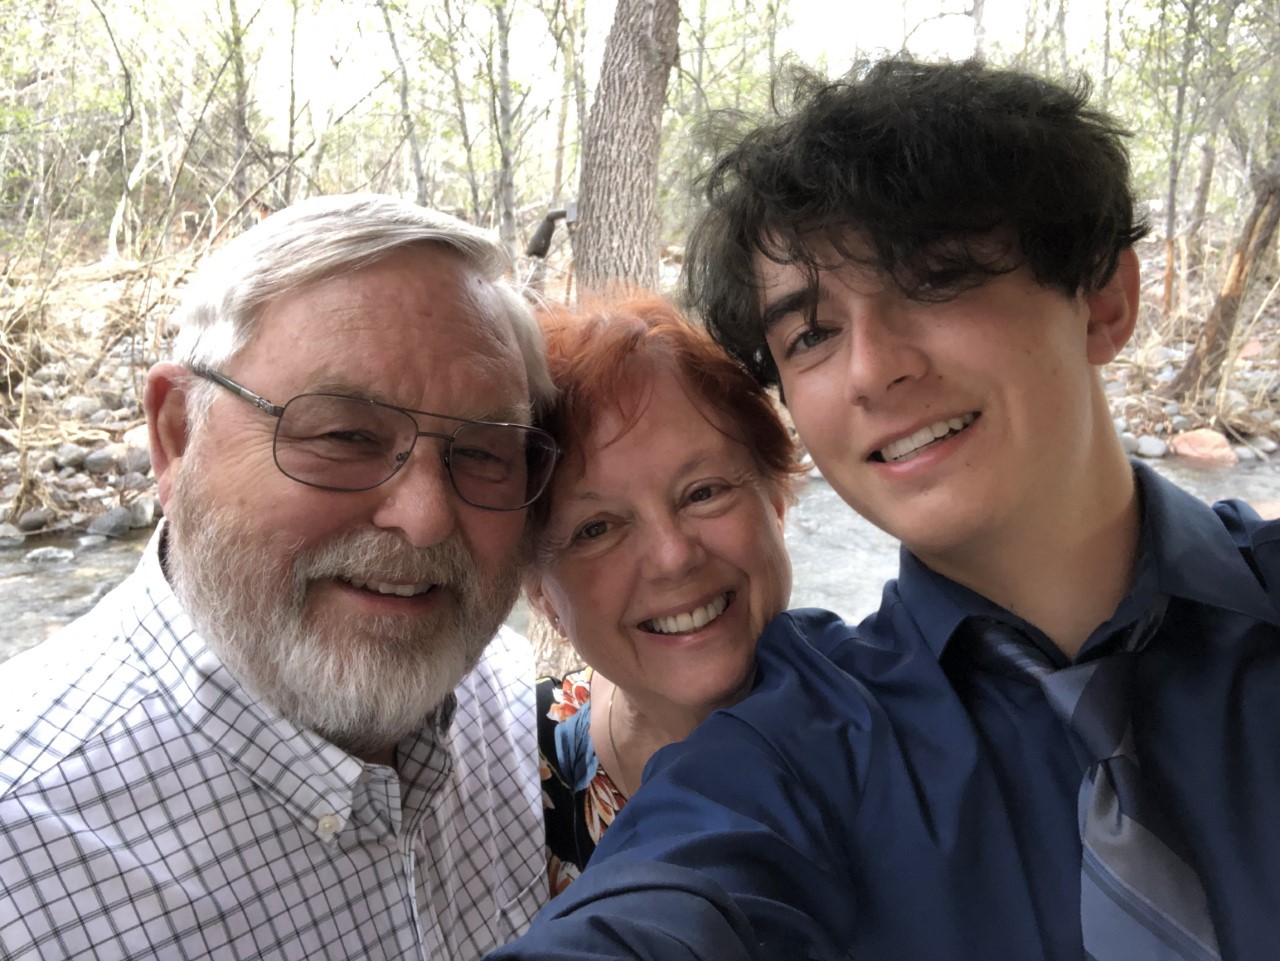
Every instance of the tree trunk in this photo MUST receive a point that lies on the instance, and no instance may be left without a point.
(506, 193)
(1200, 205)
(406, 112)
(616, 241)
(240, 175)
(1203, 369)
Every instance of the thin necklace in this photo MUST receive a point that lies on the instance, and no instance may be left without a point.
(613, 746)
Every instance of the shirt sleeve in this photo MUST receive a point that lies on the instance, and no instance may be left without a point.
(738, 845)
(637, 910)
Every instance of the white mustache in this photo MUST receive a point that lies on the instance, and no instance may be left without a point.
(370, 555)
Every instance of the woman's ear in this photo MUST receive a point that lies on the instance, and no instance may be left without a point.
(165, 403)
(536, 593)
(1113, 310)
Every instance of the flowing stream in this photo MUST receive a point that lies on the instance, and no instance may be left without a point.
(841, 562)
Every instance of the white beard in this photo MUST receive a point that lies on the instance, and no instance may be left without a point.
(361, 683)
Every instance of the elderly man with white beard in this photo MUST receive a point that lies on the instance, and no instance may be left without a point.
(300, 729)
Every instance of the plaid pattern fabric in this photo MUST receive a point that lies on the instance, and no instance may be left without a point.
(151, 808)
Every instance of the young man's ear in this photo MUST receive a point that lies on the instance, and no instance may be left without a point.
(1113, 311)
(165, 402)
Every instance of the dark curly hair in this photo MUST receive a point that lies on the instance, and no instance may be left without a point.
(922, 165)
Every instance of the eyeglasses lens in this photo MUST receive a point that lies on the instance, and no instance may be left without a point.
(344, 443)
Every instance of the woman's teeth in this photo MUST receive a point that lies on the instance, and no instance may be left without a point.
(399, 590)
(690, 620)
(904, 448)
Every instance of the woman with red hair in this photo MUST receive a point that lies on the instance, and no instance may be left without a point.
(658, 551)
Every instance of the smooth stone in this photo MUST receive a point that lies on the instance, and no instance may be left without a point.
(91, 541)
(35, 519)
(70, 455)
(1152, 447)
(104, 460)
(1173, 408)
(1266, 445)
(1129, 442)
(142, 512)
(47, 462)
(1122, 425)
(10, 536)
(1204, 445)
(133, 481)
(49, 555)
(1244, 452)
(1179, 423)
(99, 417)
(136, 459)
(80, 407)
(114, 523)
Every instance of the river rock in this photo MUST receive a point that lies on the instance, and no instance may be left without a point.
(69, 455)
(1129, 442)
(54, 372)
(1152, 447)
(1179, 423)
(35, 519)
(133, 481)
(49, 555)
(1204, 445)
(136, 459)
(1265, 444)
(104, 460)
(91, 542)
(1122, 425)
(114, 523)
(143, 511)
(1244, 453)
(1235, 402)
(80, 407)
(10, 536)
(99, 417)
(47, 462)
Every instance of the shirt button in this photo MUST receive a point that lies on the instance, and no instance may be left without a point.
(327, 826)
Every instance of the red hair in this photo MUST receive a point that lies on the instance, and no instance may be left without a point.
(605, 356)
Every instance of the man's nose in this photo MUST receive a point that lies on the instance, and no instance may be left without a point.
(882, 351)
(419, 501)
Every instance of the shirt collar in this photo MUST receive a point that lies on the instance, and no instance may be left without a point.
(1183, 551)
(314, 780)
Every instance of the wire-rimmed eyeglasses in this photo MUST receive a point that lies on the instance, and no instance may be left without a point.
(341, 443)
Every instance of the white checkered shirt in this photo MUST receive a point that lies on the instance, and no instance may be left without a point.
(151, 808)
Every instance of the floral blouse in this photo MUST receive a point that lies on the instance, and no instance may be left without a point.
(579, 799)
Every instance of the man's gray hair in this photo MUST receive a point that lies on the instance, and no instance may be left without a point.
(319, 238)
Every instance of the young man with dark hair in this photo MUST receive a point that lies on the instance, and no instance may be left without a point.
(1057, 737)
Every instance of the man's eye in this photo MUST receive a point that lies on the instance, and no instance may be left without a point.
(807, 339)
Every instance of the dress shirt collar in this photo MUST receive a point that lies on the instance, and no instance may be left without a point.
(1183, 551)
(314, 780)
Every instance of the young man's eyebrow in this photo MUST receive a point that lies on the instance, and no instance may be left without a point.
(801, 299)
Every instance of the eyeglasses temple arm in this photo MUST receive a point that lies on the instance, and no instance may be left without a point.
(243, 393)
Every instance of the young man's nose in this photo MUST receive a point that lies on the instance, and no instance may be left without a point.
(881, 351)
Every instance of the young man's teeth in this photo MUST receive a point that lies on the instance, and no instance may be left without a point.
(904, 448)
(400, 590)
(690, 620)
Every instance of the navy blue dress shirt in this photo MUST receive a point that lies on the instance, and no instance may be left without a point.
(883, 795)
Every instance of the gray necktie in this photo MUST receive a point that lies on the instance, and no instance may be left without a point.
(1140, 899)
